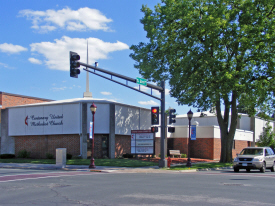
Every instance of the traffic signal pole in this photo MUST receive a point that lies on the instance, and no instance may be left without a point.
(161, 89)
(163, 146)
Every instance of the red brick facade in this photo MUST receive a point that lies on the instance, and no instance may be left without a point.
(123, 145)
(239, 145)
(11, 100)
(98, 149)
(205, 148)
(39, 146)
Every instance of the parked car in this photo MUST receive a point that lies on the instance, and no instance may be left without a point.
(255, 158)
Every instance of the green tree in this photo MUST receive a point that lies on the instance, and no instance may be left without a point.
(215, 52)
(267, 138)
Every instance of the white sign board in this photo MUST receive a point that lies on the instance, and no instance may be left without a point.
(142, 142)
(44, 120)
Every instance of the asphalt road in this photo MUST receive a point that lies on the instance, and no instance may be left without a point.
(58, 188)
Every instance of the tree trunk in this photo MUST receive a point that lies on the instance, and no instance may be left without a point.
(226, 147)
(227, 134)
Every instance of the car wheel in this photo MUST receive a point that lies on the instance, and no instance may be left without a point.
(263, 168)
(247, 170)
(236, 170)
(273, 167)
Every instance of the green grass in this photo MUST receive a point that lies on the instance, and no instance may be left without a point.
(98, 162)
(202, 166)
(113, 162)
(33, 161)
(116, 163)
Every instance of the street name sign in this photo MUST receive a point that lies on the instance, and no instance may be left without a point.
(141, 81)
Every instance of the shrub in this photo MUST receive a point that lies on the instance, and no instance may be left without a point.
(49, 156)
(23, 154)
(69, 156)
(105, 157)
(127, 155)
(7, 156)
(77, 157)
(160, 155)
(183, 155)
(267, 138)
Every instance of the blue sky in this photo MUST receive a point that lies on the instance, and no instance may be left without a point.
(36, 37)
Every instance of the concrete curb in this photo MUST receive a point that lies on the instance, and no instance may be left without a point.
(103, 169)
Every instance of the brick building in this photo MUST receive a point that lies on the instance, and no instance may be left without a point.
(41, 125)
(208, 142)
(40, 128)
(10, 100)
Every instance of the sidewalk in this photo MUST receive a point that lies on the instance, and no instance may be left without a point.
(105, 169)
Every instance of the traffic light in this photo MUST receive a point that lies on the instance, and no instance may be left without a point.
(155, 115)
(74, 64)
(171, 129)
(172, 116)
(154, 129)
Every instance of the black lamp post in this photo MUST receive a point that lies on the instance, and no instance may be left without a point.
(93, 110)
(190, 115)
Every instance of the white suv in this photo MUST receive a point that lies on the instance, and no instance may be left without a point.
(255, 158)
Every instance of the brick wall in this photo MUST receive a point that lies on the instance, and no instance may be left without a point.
(239, 145)
(206, 148)
(123, 145)
(181, 144)
(199, 148)
(11, 100)
(97, 146)
(39, 146)
(202, 148)
(217, 149)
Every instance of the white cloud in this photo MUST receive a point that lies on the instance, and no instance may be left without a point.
(34, 61)
(3, 65)
(57, 53)
(106, 93)
(12, 49)
(167, 91)
(151, 102)
(57, 89)
(74, 20)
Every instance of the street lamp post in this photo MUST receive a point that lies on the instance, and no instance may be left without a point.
(190, 115)
(93, 110)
